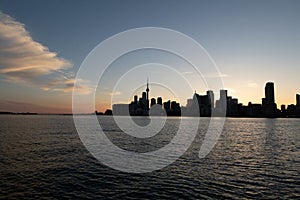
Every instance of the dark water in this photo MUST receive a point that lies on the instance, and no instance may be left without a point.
(42, 156)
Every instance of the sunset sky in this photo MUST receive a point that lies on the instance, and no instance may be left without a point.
(43, 43)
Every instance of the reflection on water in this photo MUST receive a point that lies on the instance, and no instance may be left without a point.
(42, 156)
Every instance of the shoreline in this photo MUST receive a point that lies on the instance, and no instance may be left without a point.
(68, 114)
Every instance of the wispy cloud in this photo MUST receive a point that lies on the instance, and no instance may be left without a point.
(215, 75)
(66, 85)
(207, 75)
(187, 72)
(116, 93)
(23, 60)
(252, 85)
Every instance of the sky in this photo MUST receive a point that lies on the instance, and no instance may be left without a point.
(44, 43)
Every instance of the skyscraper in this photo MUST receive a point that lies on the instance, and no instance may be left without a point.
(269, 93)
(298, 100)
(211, 97)
(167, 106)
(144, 96)
(153, 102)
(159, 100)
(203, 104)
(135, 99)
(223, 100)
(269, 105)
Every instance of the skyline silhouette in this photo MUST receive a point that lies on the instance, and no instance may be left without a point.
(205, 106)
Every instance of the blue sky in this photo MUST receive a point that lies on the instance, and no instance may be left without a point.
(252, 42)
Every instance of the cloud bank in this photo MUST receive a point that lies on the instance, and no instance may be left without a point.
(23, 60)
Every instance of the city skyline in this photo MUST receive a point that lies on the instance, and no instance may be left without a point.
(44, 43)
(207, 105)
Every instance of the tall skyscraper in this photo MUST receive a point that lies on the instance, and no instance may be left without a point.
(223, 94)
(153, 102)
(269, 105)
(298, 100)
(144, 96)
(159, 100)
(223, 99)
(135, 99)
(167, 106)
(211, 97)
(269, 93)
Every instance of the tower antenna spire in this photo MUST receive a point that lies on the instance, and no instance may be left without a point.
(147, 90)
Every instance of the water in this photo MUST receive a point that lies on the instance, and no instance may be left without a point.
(42, 156)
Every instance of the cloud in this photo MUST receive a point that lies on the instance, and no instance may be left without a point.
(215, 75)
(66, 85)
(187, 72)
(23, 60)
(116, 93)
(252, 85)
(207, 75)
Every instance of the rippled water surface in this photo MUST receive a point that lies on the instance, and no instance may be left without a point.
(42, 156)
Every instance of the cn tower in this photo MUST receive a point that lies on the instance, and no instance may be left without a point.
(147, 90)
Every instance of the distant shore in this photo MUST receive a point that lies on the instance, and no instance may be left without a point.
(32, 113)
(19, 113)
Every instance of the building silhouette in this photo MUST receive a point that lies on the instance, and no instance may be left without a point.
(205, 105)
(147, 90)
(138, 107)
(268, 103)
(120, 109)
(167, 106)
(153, 102)
(159, 101)
(202, 104)
(269, 93)
(293, 110)
(221, 104)
(232, 107)
(142, 107)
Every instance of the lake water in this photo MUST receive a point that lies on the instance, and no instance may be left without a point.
(42, 157)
